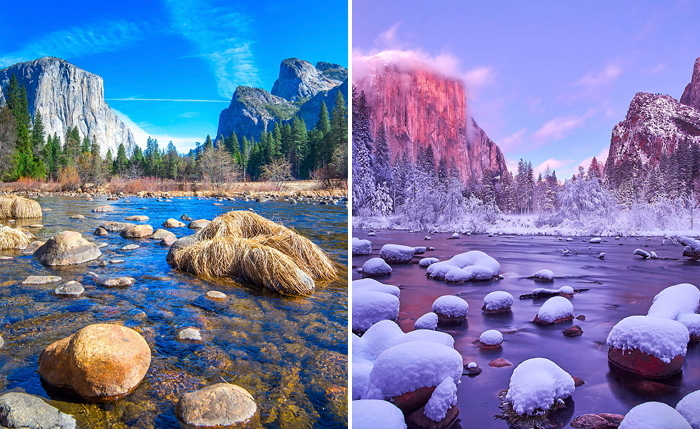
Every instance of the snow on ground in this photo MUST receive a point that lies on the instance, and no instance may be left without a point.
(375, 414)
(675, 301)
(654, 415)
(568, 290)
(443, 398)
(450, 305)
(544, 275)
(426, 262)
(536, 384)
(692, 322)
(361, 247)
(397, 253)
(426, 321)
(474, 264)
(498, 300)
(556, 307)
(689, 408)
(656, 336)
(374, 285)
(375, 267)
(491, 337)
(372, 303)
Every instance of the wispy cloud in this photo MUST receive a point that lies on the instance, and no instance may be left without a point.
(101, 36)
(512, 141)
(183, 144)
(594, 81)
(551, 163)
(223, 36)
(179, 100)
(560, 126)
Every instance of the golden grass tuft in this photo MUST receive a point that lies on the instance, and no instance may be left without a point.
(243, 224)
(14, 207)
(12, 239)
(245, 260)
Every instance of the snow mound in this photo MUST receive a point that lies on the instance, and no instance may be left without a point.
(655, 336)
(536, 384)
(427, 335)
(426, 262)
(361, 247)
(374, 414)
(397, 253)
(675, 301)
(444, 397)
(370, 307)
(450, 305)
(556, 307)
(654, 415)
(474, 258)
(360, 378)
(544, 275)
(419, 250)
(426, 321)
(491, 337)
(455, 235)
(689, 408)
(568, 290)
(498, 300)
(692, 322)
(474, 272)
(373, 285)
(595, 240)
(375, 267)
(412, 365)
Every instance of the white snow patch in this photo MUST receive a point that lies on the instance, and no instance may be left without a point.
(544, 275)
(419, 250)
(426, 321)
(443, 398)
(450, 305)
(675, 301)
(491, 337)
(361, 247)
(536, 384)
(474, 272)
(370, 307)
(692, 322)
(656, 336)
(375, 286)
(426, 262)
(428, 335)
(498, 300)
(374, 414)
(474, 258)
(654, 415)
(396, 253)
(375, 267)
(595, 240)
(689, 408)
(556, 307)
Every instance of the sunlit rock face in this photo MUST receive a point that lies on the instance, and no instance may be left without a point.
(419, 106)
(67, 97)
(691, 95)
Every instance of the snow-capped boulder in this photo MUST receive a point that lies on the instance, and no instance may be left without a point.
(426, 262)
(455, 235)
(650, 346)
(595, 240)
(536, 384)
(427, 321)
(361, 247)
(375, 267)
(472, 265)
(654, 415)
(397, 253)
(554, 310)
(374, 285)
(442, 400)
(675, 301)
(491, 339)
(497, 302)
(692, 322)
(689, 408)
(419, 250)
(451, 309)
(375, 413)
(371, 304)
(544, 276)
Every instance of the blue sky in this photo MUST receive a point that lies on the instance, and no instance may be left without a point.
(173, 50)
(547, 80)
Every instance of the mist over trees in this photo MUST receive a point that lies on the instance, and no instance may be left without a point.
(389, 190)
(286, 152)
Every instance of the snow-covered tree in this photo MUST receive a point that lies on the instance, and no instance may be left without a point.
(363, 185)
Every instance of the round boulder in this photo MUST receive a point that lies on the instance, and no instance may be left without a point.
(67, 248)
(100, 362)
(221, 404)
(137, 231)
(20, 410)
(173, 223)
(198, 224)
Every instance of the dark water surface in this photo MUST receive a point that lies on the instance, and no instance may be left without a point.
(620, 285)
(289, 353)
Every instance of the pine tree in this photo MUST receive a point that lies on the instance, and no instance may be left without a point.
(121, 163)
(38, 135)
(337, 141)
(382, 156)
(363, 185)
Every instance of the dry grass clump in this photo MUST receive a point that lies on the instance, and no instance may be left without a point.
(246, 260)
(13, 207)
(243, 224)
(12, 239)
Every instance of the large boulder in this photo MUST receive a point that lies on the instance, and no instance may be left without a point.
(173, 223)
(218, 405)
(67, 248)
(20, 410)
(137, 231)
(100, 362)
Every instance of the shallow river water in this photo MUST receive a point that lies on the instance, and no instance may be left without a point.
(289, 353)
(620, 285)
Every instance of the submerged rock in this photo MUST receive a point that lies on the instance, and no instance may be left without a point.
(221, 404)
(41, 280)
(20, 410)
(191, 334)
(67, 248)
(137, 218)
(119, 281)
(115, 226)
(103, 209)
(215, 294)
(100, 362)
(71, 288)
(597, 421)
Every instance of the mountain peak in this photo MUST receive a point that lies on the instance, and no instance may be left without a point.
(691, 95)
(299, 80)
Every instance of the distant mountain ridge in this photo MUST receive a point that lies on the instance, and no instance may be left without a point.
(68, 96)
(300, 89)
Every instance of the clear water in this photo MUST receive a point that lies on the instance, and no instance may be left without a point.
(289, 353)
(620, 285)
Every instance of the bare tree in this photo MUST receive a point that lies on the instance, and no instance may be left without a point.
(216, 166)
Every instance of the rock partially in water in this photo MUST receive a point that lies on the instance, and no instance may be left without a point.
(221, 404)
(2, 342)
(29, 250)
(198, 224)
(130, 247)
(100, 362)
(137, 231)
(597, 421)
(20, 410)
(77, 217)
(103, 209)
(215, 294)
(101, 231)
(118, 282)
(418, 419)
(137, 218)
(168, 240)
(186, 218)
(500, 363)
(115, 226)
(41, 280)
(160, 234)
(191, 334)
(173, 223)
(67, 248)
(71, 288)
(573, 331)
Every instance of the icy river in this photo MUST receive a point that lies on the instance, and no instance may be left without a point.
(620, 285)
(290, 353)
